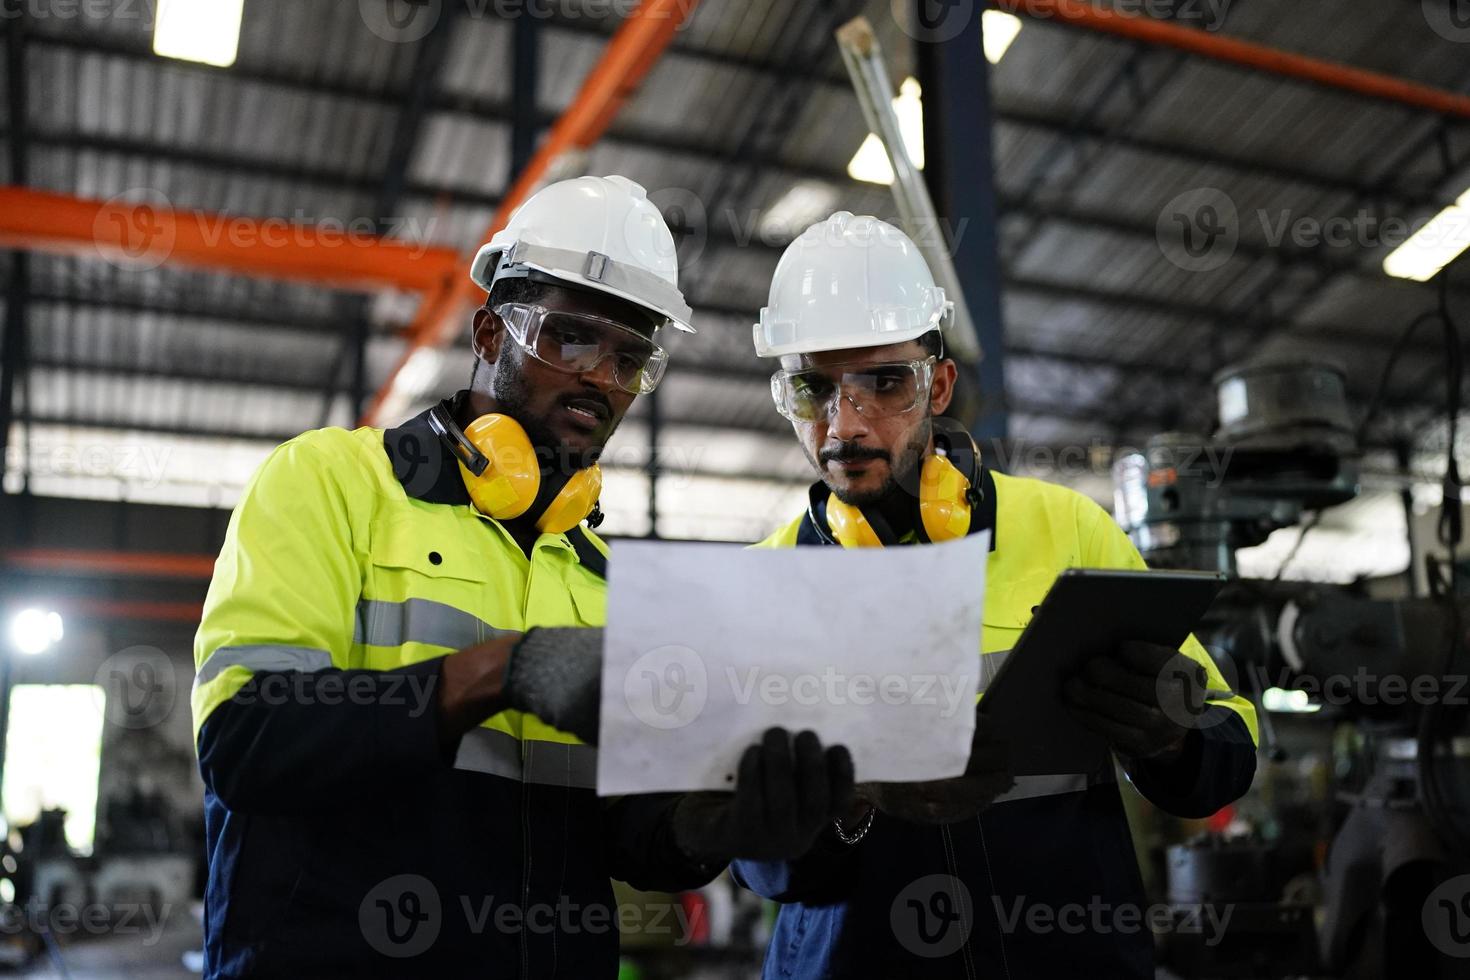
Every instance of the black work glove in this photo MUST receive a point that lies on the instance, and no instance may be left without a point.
(787, 792)
(556, 675)
(941, 801)
(1144, 700)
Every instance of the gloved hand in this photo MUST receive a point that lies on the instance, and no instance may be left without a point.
(787, 792)
(556, 675)
(941, 801)
(1144, 701)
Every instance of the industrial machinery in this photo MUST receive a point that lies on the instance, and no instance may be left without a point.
(1391, 672)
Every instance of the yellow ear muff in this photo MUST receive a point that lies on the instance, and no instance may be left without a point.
(575, 501)
(510, 482)
(943, 506)
(850, 526)
(512, 479)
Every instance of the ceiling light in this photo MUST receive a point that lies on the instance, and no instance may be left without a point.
(1434, 246)
(806, 202)
(206, 31)
(870, 163)
(35, 631)
(1000, 29)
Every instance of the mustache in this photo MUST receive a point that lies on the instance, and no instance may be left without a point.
(851, 452)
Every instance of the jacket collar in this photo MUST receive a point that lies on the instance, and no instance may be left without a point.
(426, 468)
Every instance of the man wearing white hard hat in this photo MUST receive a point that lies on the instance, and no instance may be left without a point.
(943, 879)
(398, 667)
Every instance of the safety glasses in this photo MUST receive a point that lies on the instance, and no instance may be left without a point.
(577, 344)
(875, 390)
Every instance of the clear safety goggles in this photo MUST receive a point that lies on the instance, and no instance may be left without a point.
(577, 343)
(875, 390)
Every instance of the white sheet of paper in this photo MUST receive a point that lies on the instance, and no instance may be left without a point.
(709, 645)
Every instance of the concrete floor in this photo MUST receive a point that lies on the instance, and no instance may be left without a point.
(146, 954)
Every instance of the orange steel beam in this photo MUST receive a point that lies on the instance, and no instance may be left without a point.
(78, 561)
(1245, 54)
(146, 234)
(630, 54)
(136, 609)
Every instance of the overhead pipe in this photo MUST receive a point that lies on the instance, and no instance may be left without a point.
(88, 562)
(630, 54)
(147, 234)
(1244, 54)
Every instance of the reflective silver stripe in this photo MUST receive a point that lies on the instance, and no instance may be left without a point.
(262, 657)
(489, 750)
(390, 624)
(990, 665)
(498, 753)
(1031, 787)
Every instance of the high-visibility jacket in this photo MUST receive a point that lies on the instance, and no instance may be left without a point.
(342, 840)
(1048, 883)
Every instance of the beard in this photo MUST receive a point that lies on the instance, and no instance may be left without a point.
(513, 396)
(903, 472)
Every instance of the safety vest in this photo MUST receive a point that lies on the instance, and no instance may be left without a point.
(413, 571)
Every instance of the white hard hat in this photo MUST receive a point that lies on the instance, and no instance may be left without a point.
(849, 281)
(599, 233)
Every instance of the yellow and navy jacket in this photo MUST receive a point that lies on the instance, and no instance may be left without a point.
(341, 839)
(1055, 850)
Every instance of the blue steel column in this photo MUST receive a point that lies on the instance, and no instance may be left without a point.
(959, 169)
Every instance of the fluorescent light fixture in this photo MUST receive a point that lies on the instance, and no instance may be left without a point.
(206, 31)
(1000, 30)
(1434, 246)
(870, 163)
(35, 631)
(1288, 702)
(806, 202)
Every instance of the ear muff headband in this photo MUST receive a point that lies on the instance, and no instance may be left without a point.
(502, 473)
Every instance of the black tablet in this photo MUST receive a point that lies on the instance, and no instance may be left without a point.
(1087, 613)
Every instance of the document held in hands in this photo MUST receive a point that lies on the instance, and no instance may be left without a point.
(708, 645)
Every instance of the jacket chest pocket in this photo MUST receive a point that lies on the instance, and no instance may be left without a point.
(427, 586)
